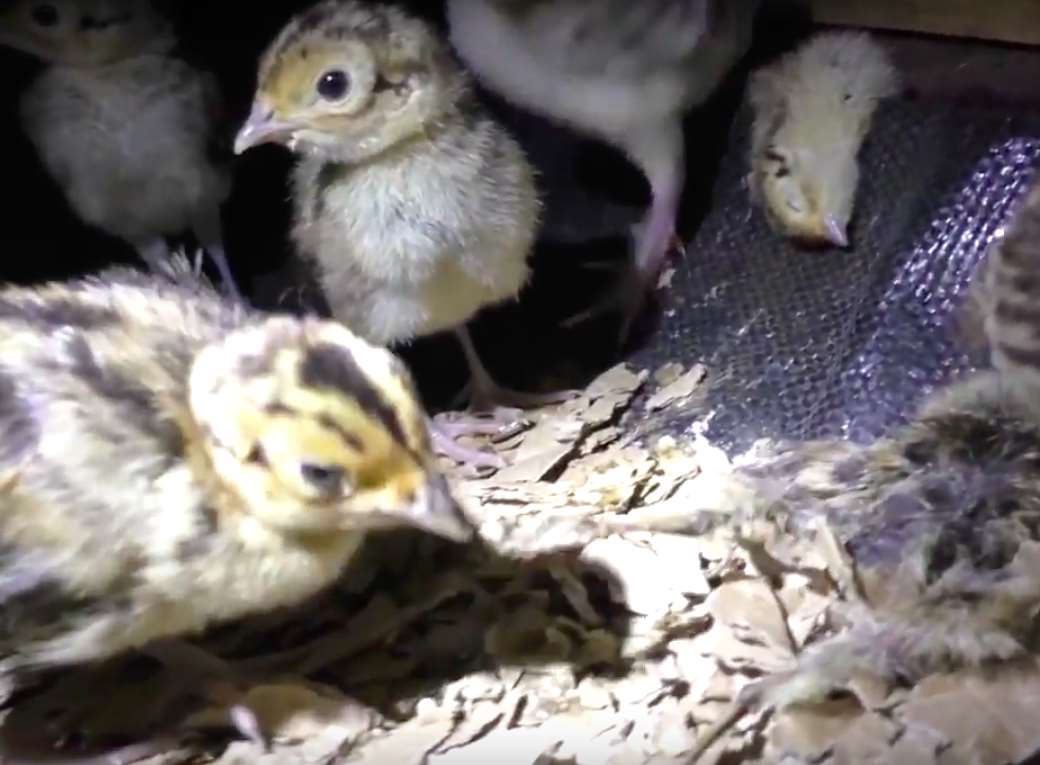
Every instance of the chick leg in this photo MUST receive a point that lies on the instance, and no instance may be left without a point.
(485, 394)
(155, 253)
(198, 671)
(661, 155)
(210, 235)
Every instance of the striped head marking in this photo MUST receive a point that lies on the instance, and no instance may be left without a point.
(317, 431)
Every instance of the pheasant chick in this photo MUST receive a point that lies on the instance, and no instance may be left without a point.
(938, 519)
(128, 131)
(619, 71)
(812, 110)
(172, 460)
(417, 208)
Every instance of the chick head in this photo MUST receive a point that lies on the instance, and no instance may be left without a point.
(316, 431)
(348, 80)
(85, 32)
(809, 194)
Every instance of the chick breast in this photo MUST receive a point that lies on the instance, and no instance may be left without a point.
(419, 240)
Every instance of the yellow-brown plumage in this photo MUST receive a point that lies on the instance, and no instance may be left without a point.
(175, 461)
(812, 110)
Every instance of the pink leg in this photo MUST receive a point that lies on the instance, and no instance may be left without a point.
(444, 443)
(661, 155)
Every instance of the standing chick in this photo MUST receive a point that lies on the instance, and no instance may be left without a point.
(128, 131)
(418, 209)
(939, 520)
(622, 71)
(812, 110)
(171, 461)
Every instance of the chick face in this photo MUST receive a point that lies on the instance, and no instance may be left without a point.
(348, 81)
(319, 432)
(809, 194)
(84, 32)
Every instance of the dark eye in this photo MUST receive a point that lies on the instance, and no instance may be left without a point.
(333, 85)
(327, 480)
(46, 15)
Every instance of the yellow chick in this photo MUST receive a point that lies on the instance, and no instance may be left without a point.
(416, 207)
(171, 460)
(126, 129)
(812, 109)
(624, 72)
(939, 518)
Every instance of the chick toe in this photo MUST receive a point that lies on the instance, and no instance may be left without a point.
(194, 671)
(444, 443)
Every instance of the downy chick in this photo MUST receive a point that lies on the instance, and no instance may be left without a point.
(939, 518)
(171, 460)
(812, 110)
(620, 71)
(130, 132)
(417, 208)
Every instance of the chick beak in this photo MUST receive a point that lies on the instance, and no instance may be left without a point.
(261, 126)
(436, 511)
(834, 232)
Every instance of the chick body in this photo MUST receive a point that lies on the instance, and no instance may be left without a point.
(171, 461)
(127, 129)
(422, 238)
(416, 206)
(812, 111)
(938, 518)
(622, 72)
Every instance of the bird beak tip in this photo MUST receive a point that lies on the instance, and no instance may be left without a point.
(437, 511)
(835, 233)
(261, 126)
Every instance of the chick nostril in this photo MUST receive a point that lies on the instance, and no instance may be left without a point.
(46, 15)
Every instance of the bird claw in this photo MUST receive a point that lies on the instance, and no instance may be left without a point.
(499, 424)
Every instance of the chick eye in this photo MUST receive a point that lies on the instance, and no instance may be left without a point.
(327, 480)
(333, 84)
(46, 15)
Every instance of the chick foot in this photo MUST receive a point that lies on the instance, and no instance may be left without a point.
(200, 673)
(443, 437)
(487, 395)
(189, 672)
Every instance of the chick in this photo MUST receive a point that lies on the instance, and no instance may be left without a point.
(129, 132)
(938, 519)
(172, 460)
(620, 71)
(417, 208)
(812, 110)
